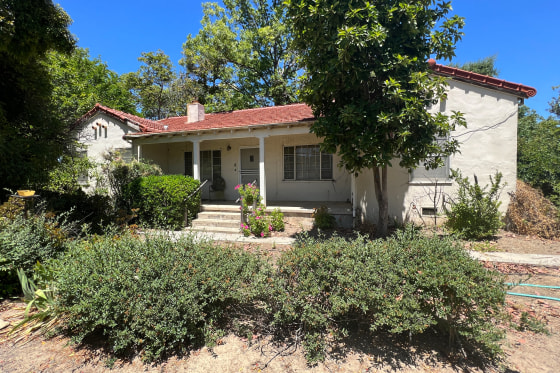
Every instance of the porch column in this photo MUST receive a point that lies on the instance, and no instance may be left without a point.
(262, 176)
(196, 159)
(353, 192)
(138, 152)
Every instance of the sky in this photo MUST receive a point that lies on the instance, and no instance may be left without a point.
(523, 35)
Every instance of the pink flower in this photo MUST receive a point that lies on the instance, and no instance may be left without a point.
(238, 186)
(258, 217)
(262, 234)
(270, 227)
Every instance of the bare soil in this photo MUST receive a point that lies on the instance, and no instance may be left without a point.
(525, 350)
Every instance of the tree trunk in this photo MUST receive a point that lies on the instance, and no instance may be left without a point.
(380, 182)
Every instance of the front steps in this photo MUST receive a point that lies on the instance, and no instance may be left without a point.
(218, 219)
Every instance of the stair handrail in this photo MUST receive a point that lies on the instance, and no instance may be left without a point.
(189, 198)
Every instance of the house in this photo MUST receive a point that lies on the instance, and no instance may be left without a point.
(273, 146)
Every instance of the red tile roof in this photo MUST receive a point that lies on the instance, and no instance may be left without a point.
(484, 80)
(243, 118)
(145, 125)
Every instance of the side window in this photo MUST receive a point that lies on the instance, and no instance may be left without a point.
(421, 174)
(189, 164)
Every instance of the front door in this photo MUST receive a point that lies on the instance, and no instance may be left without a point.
(249, 170)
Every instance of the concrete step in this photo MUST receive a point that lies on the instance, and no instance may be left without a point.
(222, 215)
(203, 222)
(215, 229)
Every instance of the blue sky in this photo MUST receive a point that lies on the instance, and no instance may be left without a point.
(523, 35)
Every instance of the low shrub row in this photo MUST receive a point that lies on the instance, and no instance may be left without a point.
(154, 295)
(158, 295)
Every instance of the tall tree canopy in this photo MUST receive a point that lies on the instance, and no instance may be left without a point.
(555, 104)
(368, 81)
(79, 82)
(31, 136)
(484, 66)
(241, 57)
(158, 90)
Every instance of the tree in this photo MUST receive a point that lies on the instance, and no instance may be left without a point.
(31, 137)
(484, 66)
(538, 152)
(555, 104)
(79, 82)
(156, 87)
(368, 82)
(241, 57)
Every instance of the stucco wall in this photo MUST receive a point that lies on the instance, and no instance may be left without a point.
(110, 138)
(487, 145)
(171, 158)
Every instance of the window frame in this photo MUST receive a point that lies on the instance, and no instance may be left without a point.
(322, 157)
(432, 178)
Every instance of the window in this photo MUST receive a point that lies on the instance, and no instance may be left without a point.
(307, 162)
(189, 164)
(125, 154)
(211, 164)
(421, 174)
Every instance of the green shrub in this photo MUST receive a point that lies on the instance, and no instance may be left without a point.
(404, 284)
(474, 213)
(256, 221)
(162, 200)
(23, 241)
(322, 218)
(119, 173)
(277, 220)
(155, 295)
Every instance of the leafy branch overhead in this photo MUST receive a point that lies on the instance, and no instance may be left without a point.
(242, 56)
(369, 83)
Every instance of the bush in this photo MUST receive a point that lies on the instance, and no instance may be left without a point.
(92, 209)
(156, 295)
(532, 214)
(474, 213)
(322, 218)
(162, 200)
(405, 284)
(256, 221)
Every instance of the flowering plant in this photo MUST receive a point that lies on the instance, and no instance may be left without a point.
(255, 220)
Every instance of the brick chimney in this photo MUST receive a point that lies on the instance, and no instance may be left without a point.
(195, 112)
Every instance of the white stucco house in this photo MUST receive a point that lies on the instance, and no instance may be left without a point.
(273, 146)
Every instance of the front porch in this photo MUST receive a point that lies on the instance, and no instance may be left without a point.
(223, 217)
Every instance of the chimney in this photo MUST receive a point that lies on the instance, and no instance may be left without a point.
(195, 112)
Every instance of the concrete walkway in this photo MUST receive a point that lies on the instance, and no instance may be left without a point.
(502, 257)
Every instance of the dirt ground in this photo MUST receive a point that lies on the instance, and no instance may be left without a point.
(525, 350)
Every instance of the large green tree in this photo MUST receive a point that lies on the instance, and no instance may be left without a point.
(369, 84)
(484, 66)
(31, 136)
(159, 91)
(538, 152)
(242, 57)
(79, 82)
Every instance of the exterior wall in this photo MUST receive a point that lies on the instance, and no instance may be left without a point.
(487, 145)
(170, 156)
(110, 138)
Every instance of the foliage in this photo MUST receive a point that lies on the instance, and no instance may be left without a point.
(157, 295)
(31, 137)
(79, 82)
(538, 152)
(368, 82)
(162, 200)
(64, 178)
(242, 56)
(120, 173)
(555, 104)
(277, 220)
(95, 210)
(255, 219)
(474, 213)
(405, 284)
(39, 293)
(322, 218)
(156, 87)
(530, 213)
(23, 242)
(484, 66)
